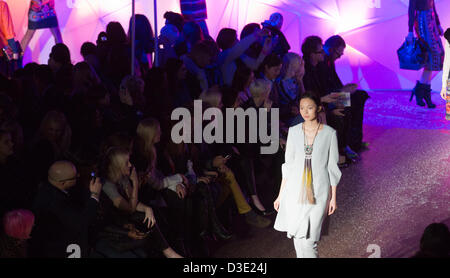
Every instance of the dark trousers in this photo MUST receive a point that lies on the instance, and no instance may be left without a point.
(358, 100)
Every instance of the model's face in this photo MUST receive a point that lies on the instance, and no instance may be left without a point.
(308, 109)
(6, 145)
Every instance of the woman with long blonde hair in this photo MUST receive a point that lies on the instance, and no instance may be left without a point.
(119, 209)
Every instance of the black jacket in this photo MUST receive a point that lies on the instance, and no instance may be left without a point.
(60, 222)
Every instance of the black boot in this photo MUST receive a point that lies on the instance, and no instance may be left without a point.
(427, 96)
(216, 227)
(418, 91)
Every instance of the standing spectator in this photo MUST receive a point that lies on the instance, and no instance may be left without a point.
(145, 42)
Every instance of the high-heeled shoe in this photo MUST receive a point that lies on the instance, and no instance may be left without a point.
(262, 212)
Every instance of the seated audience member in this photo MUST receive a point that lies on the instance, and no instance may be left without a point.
(154, 182)
(125, 222)
(51, 143)
(15, 232)
(334, 49)
(435, 242)
(315, 81)
(180, 93)
(214, 159)
(128, 111)
(14, 190)
(239, 92)
(251, 159)
(290, 88)
(196, 61)
(60, 221)
(270, 70)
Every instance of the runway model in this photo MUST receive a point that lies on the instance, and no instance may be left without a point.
(41, 15)
(424, 19)
(310, 177)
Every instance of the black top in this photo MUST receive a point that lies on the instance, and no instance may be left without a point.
(420, 5)
(59, 222)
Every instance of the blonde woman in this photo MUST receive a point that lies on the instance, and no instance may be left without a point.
(121, 187)
(290, 88)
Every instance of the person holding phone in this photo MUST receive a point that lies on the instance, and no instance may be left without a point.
(310, 176)
(41, 15)
(425, 20)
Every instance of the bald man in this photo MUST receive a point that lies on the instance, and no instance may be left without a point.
(59, 221)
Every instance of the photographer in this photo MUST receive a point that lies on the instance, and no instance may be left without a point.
(60, 222)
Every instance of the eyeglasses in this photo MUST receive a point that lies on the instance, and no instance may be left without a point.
(71, 179)
(319, 52)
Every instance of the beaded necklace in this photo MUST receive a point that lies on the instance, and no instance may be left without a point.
(306, 192)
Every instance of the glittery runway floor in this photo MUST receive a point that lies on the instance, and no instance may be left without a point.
(401, 185)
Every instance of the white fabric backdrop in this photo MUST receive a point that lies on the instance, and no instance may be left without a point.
(373, 29)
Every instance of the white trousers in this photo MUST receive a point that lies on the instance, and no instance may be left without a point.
(305, 248)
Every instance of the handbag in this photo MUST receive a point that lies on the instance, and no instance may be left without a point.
(412, 56)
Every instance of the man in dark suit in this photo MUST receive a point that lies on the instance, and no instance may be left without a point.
(60, 222)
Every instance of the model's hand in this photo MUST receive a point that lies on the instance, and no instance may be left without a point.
(443, 93)
(332, 207)
(276, 204)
